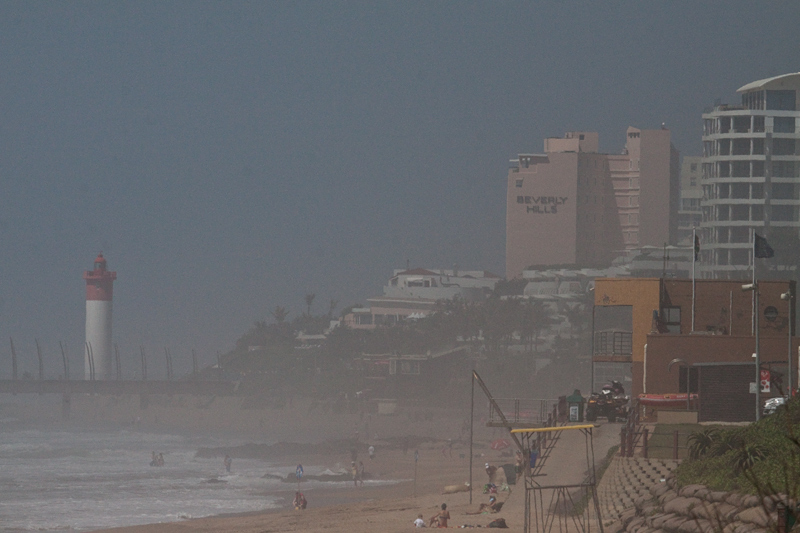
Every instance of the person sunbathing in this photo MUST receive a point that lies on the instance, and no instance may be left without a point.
(492, 507)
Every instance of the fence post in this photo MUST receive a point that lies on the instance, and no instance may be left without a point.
(622, 441)
(781, 510)
(675, 445)
(644, 442)
(629, 447)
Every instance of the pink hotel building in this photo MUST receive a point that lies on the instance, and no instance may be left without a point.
(574, 206)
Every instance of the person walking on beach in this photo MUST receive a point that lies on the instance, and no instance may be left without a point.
(371, 452)
(361, 473)
(354, 472)
(491, 471)
(447, 449)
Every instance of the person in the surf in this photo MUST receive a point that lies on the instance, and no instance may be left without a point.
(154, 461)
(228, 462)
(299, 502)
(160, 459)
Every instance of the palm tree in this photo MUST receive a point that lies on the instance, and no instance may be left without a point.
(309, 300)
(331, 307)
(280, 313)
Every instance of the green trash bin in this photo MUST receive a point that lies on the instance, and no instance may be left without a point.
(575, 405)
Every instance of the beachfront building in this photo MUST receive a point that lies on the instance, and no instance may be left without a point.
(649, 335)
(751, 177)
(573, 206)
(413, 293)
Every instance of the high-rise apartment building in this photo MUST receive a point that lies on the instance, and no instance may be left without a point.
(647, 189)
(574, 206)
(751, 177)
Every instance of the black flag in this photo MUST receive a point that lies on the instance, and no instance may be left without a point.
(696, 247)
(762, 248)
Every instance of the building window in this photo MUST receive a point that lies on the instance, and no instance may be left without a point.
(781, 100)
(741, 124)
(519, 183)
(783, 191)
(740, 235)
(740, 191)
(741, 147)
(671, 319)
(740, 212)
(740, 169)
(783, 125)
(785, 169)
(783, 213)
(740, 256)
(783, 147)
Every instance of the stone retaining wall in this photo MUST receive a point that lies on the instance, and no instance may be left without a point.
(663, 508)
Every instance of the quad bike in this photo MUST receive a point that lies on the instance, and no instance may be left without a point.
(610, 403)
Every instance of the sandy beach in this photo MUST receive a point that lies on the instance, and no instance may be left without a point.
(375, 506)
(371, 508)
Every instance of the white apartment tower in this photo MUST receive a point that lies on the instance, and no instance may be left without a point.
(751, 177)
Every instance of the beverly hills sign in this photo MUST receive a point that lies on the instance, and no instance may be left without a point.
(543, 205)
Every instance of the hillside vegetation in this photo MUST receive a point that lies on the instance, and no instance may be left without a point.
(761, 458)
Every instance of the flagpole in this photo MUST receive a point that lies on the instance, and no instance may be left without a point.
(694, 260)
(753, 296)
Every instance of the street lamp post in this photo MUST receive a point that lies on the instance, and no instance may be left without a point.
(754, 287)
(787, 296)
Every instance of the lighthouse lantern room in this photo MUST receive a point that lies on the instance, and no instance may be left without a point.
(99, 290)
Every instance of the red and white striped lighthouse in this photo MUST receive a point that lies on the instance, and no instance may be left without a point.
(99, 291)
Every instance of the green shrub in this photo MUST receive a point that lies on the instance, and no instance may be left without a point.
(762, 458)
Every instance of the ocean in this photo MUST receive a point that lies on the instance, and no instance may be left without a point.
(56, 480)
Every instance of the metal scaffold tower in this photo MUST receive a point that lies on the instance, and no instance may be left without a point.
(566, 507)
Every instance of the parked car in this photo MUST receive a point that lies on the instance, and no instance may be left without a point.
(771, 405)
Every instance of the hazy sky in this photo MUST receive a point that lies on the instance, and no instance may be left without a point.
(231, 157)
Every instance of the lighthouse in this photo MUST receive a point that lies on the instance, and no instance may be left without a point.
(99, 289)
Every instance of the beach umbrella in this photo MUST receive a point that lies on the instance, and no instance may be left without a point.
(499, 444)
